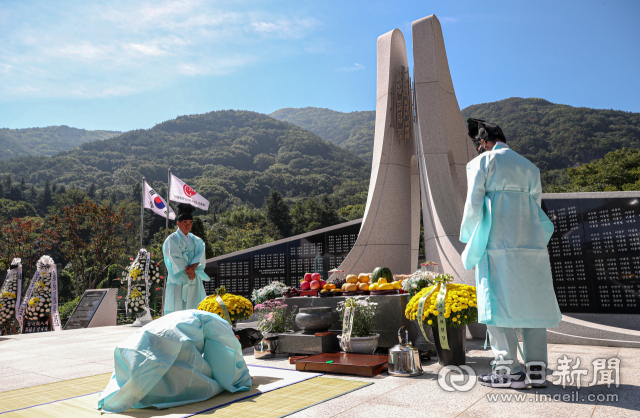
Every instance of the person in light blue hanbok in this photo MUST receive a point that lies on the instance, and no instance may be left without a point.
(184, 257)
(507, 232)
(184, 357)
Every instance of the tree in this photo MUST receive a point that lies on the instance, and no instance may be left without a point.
(10, 209)
(23, 187)
(28, 239)
(277, 212)
(198, 230)
(618, 171)
(45, 198)
(92, 191)
(33, 195)
(6, 185)
(91, 241)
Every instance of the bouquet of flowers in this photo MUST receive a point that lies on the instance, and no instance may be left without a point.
(418, 281)
(273, 290)
(273, 318)
(140, 275)
(239, 308)
(460, 306)
(363, 316)
(39, 304)
(9, 294)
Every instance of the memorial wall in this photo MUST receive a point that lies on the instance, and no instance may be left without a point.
(285, 261)
(594, 254)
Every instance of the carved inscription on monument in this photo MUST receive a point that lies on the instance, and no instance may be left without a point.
(403, 110)
(595, 254)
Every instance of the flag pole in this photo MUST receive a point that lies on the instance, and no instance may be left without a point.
(166, 233)
(141, 211)
(166, 229)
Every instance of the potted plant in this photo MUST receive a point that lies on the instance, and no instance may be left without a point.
(357, 315)
(237, 307)
(273, 319)
(459, 310)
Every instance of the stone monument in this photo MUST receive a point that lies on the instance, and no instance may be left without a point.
(390, 231)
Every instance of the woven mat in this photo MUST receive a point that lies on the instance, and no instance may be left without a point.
(270, 397)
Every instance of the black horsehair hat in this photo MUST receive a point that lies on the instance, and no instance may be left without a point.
(185, 212)
(480, 129)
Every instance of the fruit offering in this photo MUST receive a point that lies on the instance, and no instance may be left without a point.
(312, 281)
(381, 273)
(291, 292)
(355, 283)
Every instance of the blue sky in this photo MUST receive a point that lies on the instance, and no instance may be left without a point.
(123, 65)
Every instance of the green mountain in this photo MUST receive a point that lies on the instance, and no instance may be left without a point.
(353, 131)
(230, 157)
(553, 136)
(46, 141)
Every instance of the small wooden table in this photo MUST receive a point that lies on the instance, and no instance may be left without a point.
(367, 365)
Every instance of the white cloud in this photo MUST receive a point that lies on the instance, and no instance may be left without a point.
(285, 28)
(355, 67)
(118, 47)
(446, 20)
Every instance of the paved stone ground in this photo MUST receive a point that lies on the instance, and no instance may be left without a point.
(36, 359)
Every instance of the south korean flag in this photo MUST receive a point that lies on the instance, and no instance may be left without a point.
(153, 201)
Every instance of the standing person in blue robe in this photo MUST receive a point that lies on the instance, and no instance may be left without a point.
(184, 257)
(506, 232)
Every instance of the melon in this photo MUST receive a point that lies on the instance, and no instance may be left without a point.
(381, 272)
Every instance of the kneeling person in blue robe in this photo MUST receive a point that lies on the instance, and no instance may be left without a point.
(181, 358)
(184, 257)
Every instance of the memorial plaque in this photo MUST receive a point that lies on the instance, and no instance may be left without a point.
(286, 261)
(41, 325)
(86, 309)
(595, 254)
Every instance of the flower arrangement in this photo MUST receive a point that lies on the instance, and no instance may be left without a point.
(138, 287)
(460, 307)
(273, 318)
(418, 281)
(364, 315)
(39, 304)
(273, 290)
(239, 308)
(9, 295)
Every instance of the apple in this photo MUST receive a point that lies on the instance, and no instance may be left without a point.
(305, 285)
(308, 277)
(315, 285)
(316, 276)
(322, 283)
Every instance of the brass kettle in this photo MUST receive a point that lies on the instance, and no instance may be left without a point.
(404, 359)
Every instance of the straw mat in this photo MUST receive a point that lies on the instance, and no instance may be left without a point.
(275, 393)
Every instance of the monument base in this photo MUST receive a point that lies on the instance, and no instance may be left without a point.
(298, 343)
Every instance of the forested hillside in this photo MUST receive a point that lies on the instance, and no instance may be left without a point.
(46, 141)
(230, 157)
(353, 131)
(553, 136)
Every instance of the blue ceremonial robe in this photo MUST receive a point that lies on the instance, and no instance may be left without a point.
(182, 293)
(181, 358)
(507, 232)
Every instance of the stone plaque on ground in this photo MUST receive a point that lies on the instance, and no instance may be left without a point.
(96, 308)
(595, 254)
